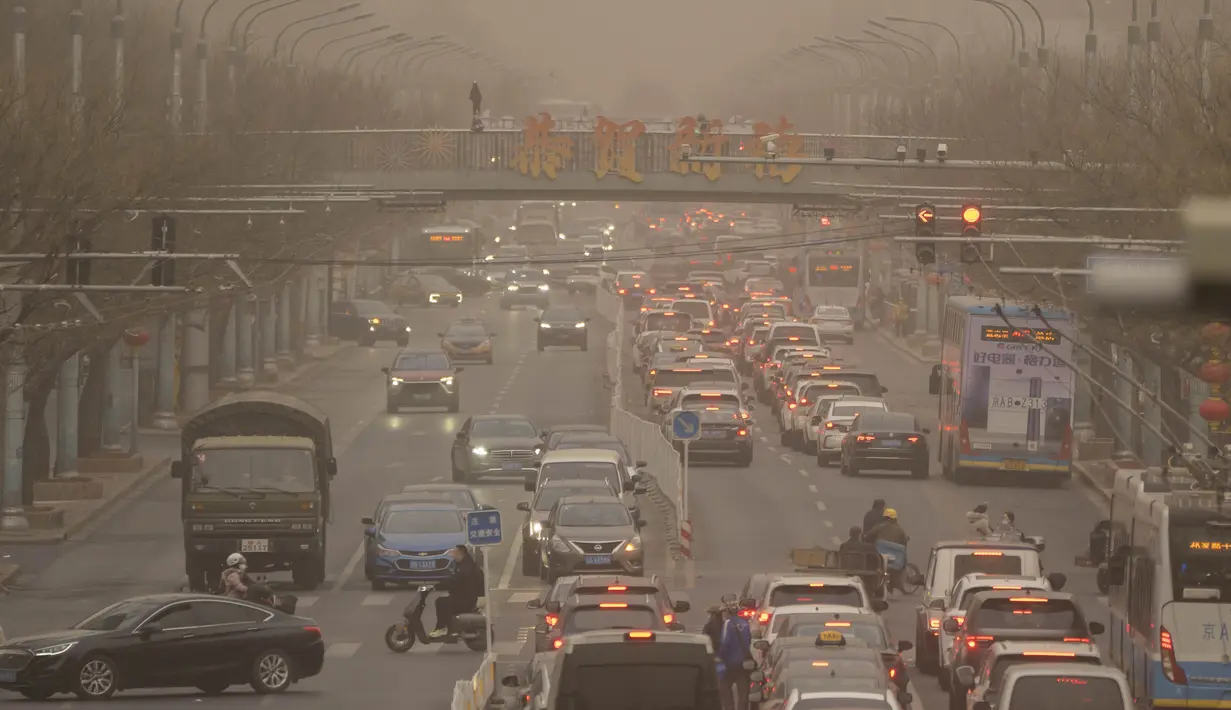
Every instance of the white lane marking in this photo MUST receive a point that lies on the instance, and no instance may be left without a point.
(437, 478)
(765, 440)
(785, 458)
(522, 597)
(349, 570)
(804, 472)
(836, 540)
(506, 575)
(811, 489)
(820, 506)
(306, 602)
(377, 600)
(342, 650)
(828, 524)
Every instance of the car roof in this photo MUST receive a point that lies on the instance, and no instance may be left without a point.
(500, 417)
(976, 578)
(414, 497)
(437, 487)
(424, 505)
(854, 399)
(1017, 648)
(1064, 669)
(421, 351)
(577, 428)
(829, 610)
(581, 456)
(985, 544)
(584, 500)
(984, 597)
(576, 483)
(576, 600)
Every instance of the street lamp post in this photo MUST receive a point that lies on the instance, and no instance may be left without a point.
(434, 44)
(290, 58)
(1014, 27)
(203, 71)
(366, 50)
(321, 50)
(243, 43)
(927, 47)
(337, 10)
(957, 46)
(1090, 65)
(233, 47)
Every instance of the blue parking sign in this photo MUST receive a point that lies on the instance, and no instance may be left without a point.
(483, 527)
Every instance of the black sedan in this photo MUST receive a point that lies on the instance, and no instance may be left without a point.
(563, 326)
(885, 441)
(166, 641)
(366, 322)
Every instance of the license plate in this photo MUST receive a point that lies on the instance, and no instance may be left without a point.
(422, 564)
(8, 676)
(1014, 465)
(713, 435)
(254, 546)
(891, 443)
(598, 559)
(512, 466)
(422, 397)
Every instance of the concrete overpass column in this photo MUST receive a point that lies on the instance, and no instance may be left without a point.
(1152, 445)
(1124, 391)
(1083, 397)
(921, 303)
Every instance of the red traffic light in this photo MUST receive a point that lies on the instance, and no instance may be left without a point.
(971, 214)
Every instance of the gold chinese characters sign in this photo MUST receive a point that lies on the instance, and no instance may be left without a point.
(615, 148)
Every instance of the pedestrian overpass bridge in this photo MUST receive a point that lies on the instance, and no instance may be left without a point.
(676, 161)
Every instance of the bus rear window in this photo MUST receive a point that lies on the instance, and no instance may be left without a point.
(1066, 692)
(837, 594)
(1050, 615)
(992, 563)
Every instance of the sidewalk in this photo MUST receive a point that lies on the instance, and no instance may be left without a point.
(920, 348)
(105, 489)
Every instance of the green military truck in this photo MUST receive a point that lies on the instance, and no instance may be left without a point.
(256, 468)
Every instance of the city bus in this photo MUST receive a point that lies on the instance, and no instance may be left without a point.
(1006, 402)
(834, 277)
(447, 245)
(538, 225)
(1169, 549)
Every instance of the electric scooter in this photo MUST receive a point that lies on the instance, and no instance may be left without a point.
(470, 628)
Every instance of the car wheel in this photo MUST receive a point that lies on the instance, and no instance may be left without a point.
(957, 697)
(97, 678)
(272, 672)
(459, 476)
(402, 342)
(367, 341)
(920, 470)
(810, 446)
(784, 438)
(529, 563)
(585, 347)
(852, 469)
(213, 687)
(540, 347)
(942, 679)
(925, 660)
(489, 360)
(306, 573)
(744, 461)
(391, 407)
(456, 404)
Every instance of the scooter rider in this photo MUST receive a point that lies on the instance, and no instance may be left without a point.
(234, 577)
(980, 524)
(464, 588)
(890, 540)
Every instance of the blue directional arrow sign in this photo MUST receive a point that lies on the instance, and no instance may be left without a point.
(483, 528)
(686, 426)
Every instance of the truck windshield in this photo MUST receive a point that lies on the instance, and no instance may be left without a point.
(642, 686)
(287, 470)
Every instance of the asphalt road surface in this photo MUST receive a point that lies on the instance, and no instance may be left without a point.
(744, 520)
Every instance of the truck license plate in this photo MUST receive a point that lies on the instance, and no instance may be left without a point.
(512, 466)
(422, 564)
(254, 546)
(1014, 464)
(598, 559)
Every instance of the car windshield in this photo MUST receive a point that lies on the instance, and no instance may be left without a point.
(467, 330)
(599, 619)
(696, 309)
(1042, 615)
(422, 361)
(548, 496)
(582, 470)
(795, 594)
(372, 308)
(702, 401)
(461, 498)
(872, 635)
(604, 444)
(986, 562)
(593, 515)
(1087, 693)
(841, 704)
(850, 410)
(503, 429)
(560, 315)
(435, 283)
(678, 322)
(421, 522)
(284, 470)
(760, 285)
(680, 346)
(118, 615)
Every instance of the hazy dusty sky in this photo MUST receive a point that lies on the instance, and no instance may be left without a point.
(682, 55)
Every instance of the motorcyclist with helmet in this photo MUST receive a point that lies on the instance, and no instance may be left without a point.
(979, 523)
(890, 540)
(235, 577)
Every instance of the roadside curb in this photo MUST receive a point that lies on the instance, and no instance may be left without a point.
(311, 364)
(1089, 480)
(892, 341)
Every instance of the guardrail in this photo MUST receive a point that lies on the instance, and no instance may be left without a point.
(473, 694)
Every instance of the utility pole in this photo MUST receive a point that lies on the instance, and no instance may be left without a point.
(112, 417)
(68, 386)
(1205, 43)
(162, 239)
(1134, 71)
(13, 517)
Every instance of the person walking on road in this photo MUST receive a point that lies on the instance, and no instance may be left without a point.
(875, 515)
(901, 311)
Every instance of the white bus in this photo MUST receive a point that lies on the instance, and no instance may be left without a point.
(1006, 390)
(1169, 576)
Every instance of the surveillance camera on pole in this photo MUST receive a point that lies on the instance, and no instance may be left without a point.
(925, 226)
(972, 228)
(942, 152)
(901, 151)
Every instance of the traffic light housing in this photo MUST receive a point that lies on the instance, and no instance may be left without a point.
(972, 228)
(925, 253)
(925, 226)
(162, 238)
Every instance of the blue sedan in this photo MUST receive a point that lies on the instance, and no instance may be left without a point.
(410, 543)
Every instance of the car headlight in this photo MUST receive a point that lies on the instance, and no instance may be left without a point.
(447, 380)
(580, 325)
(546, 272)
(386, 552)
(479, 451)
(512, 287)
(396, 381)
(538, 450)
(536, 529)
(607, 247)
(543, 287)
(561, 235)
(433, 297)
(489, 257)
(633, 545)
(559, 545)
(544, 325)
(374, 321)
(55, 650)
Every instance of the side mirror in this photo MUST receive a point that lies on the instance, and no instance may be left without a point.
(926, 430)
(675, 626)
(816, 421)
(177, 469)
(917, 580)
(950, 626)
(369, 531)
(965, 676)
(640, 464)
(640, 490)
(367, 521)
(1057, 580)
(538, 320)
(905, 646)
(935, 603)
(534, 604)
(639, 523)
(884, 389)
(628, 486)
(681, 606)
(458, 369)
(523, 507)
(1097, 629)
(879, 605)
(586, 320)
(150, 629)
(552, 607)
(743, 385)
(331, 467)
(761, 645)
(384, 370)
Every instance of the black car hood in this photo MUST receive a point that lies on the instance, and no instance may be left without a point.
(51, 638)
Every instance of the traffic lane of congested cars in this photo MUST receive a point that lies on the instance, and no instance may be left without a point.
(380, 461)
(732, 519)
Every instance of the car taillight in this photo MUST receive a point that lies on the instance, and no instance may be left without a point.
(865, 438)
(1171, 668)
(1066, 443)
(747, 613)
(934, 623)
(763, 617)
(964, 437)
(315, 630)
(1076, 639)
(974, 641)
(803, 400)
(622, 292)
(791, 405)
(893, 672)
(661, 393)
(913, 439)
(668, 618)
(742, 432)
(557, 643)
(829, 425)
(960, 620)
(551, 619)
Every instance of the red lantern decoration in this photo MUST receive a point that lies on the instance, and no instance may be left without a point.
(136, 337)
(1215, 334)
(1214, 372)
(933, 278)
(1215, 410)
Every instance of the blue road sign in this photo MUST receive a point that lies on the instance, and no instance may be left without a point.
(483, 528)
(686, 426)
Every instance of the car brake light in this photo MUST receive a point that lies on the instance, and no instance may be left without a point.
(792, 405)
(820, 664)
(617, 589)
(661, 392)
(843, 624)
(551, 619)
(960, 620)
(557, 643)
(829, 425)
(974, 640)
(803, 400)
(1005, 588)
(893, 672)
(1033, 600)
(1055, 654)
(1076, 639)
(742, 432)
(793, 337)
(764, 617)
(988, 553)
(934, 623)
(641, 635)
(622, 292)
(817, 584)
(613, 605)
(313, 630)
(668, 618)
(831, 367)
(1171, 668)
(913, 439)
(747, 613)
(865, 437)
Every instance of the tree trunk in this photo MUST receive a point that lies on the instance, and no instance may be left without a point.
(36, 445)
(93, 402)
